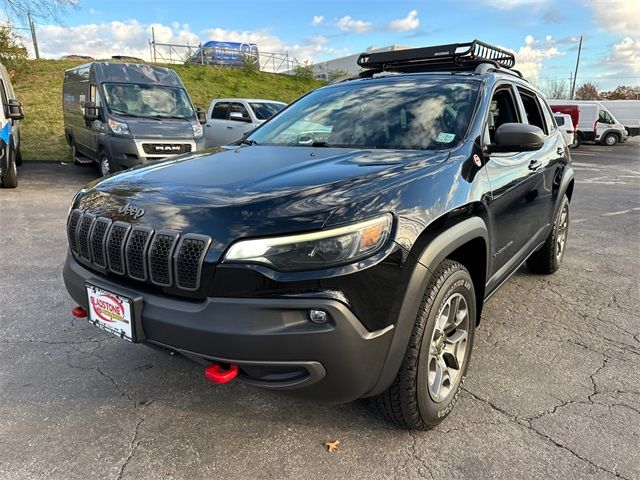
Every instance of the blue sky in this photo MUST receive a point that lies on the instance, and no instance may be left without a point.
(543, 33)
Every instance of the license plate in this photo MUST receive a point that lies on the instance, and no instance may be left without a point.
(111, 312)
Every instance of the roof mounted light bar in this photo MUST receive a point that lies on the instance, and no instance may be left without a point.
(455, 56)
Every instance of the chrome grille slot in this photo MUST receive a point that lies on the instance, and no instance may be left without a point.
(160, 257)
(98, 237)
(188, 260)
(115, 246)
(136, 252)
(83, 232)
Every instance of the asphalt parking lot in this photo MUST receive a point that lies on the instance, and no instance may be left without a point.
(553, 389)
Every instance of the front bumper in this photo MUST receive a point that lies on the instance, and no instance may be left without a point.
(127, 152)
(272, 340)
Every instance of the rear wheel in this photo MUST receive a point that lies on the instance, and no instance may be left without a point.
(18, 157)
(435, 364)
(547, 260)
(10, 177)
(610, 139)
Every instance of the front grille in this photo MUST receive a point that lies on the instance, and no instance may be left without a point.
(189, 259)
(166, 258)
(166, 148)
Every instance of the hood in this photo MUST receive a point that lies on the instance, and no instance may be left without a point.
(252, 191)
(160, 129)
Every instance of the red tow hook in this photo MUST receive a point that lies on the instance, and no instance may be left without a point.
(79, 312)
(217, 374)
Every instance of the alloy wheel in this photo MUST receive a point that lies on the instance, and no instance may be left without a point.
(448, 347)
(561, 235)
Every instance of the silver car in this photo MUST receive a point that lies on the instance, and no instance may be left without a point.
(228, 119)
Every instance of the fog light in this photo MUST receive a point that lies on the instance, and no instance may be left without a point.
(318, 316)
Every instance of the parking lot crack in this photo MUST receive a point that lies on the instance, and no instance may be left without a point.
(416, 457)
(133, 447)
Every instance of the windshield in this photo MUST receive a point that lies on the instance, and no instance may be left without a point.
(266, 110)
(143, 100)
(416, 114)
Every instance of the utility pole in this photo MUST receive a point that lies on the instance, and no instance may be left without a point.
(153, 41)
(32, 27)
(575, 75)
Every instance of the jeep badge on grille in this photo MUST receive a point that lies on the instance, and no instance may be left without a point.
(129, 209)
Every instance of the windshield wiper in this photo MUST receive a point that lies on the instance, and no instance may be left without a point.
(248, 142)
(125, 114)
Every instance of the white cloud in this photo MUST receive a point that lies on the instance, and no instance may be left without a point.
(317, 20)
(625, 56)
(620, 16)
(410, 22)
(352, 25)
(531, 56)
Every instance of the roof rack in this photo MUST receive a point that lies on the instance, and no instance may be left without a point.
(451, 57)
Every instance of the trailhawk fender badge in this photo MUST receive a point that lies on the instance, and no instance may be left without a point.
(129, 209)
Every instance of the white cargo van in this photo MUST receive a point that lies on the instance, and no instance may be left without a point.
(596, 123)
(627, 112)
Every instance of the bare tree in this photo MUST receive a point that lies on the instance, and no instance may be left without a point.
(39, 9)
(587, 91)
(556, 90)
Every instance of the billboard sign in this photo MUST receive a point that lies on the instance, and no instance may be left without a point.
(230, 54)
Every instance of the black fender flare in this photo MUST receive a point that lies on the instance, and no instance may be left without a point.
(428, 260)
(566, 187)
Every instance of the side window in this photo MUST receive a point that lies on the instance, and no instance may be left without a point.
(220, 110)
(560, 121)
(532, 110)
(548, 116)
(604, 117)
(239, 108)
(501, 110)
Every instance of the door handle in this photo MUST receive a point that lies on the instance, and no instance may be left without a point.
(229, 127)
(535, 164)
(208, 125)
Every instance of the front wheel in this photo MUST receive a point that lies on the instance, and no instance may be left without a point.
(428, 384)
(576, 141)
(10, 177)
(547, 260)
(105, 166)
(610, 139)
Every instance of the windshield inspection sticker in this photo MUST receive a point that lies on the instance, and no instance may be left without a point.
(445, 137)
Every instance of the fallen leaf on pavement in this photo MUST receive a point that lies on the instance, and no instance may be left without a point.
(332, 446)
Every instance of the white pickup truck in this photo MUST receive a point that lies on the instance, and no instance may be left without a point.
(228, 119)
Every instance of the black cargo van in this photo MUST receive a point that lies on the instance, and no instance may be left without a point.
(120, 115)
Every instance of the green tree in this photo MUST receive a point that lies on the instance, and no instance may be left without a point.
(304, 71)
(587, 91)
(12, 51)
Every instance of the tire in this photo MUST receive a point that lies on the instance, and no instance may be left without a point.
(576, 141)
(10, 178)
(414, 400)
(547, 260)
(105, 165)
(18, 157)
(74, 154)
(610, 139)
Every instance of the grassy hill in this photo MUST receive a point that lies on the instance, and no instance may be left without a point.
(39, 87)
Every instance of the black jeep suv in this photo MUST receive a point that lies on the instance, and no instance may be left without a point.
(346, 247)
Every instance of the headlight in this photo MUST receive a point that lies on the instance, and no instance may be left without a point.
(119, 128)
(198, 131)
(309, 251)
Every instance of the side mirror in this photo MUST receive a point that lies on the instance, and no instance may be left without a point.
(238, 116)
(202, 116)
(14, 110)
(517, 137)
(91, 112)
